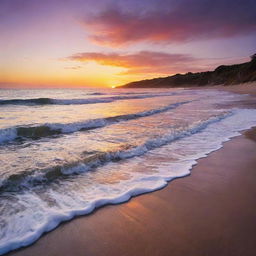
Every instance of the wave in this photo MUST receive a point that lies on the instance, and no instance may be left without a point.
(118, 93)
(37, 101)
(36, 132)
(96, 93)
(50, 101)
(92, 160)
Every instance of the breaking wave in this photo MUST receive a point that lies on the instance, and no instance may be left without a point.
(26, 179)
(36, 132)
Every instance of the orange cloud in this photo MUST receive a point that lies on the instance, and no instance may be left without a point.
(74, 67)
(143, 62)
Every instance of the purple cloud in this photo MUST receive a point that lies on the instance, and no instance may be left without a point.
(170, 21)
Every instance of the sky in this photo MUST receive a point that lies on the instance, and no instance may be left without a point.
(104, 43)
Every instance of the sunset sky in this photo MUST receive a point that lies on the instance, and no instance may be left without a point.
(75, 43)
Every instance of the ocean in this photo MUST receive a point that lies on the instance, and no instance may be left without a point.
(64, 153)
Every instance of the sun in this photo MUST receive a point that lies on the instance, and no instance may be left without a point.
(113, 87)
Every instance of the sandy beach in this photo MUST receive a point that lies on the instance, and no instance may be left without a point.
(247, 88)
(211, 212)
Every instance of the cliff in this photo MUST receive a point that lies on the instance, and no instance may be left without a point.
(225, 74)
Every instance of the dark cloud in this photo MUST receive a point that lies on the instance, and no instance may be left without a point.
(143, 62)
(172, 21)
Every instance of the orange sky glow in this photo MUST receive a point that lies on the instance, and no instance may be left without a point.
(103, 43)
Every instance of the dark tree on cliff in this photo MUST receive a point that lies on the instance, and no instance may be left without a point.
(253, 57)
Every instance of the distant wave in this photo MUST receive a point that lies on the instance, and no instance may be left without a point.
(118, 93)
(96, 93)
(26, 179)
(35, 132)
(50, 101)
(37, 101)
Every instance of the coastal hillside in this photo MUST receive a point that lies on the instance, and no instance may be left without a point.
(225, 74)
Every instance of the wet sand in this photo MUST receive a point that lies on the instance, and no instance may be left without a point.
(247, 88)
(211, 212)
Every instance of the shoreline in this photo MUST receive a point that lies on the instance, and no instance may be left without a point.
(153, 223)
(246, 88)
